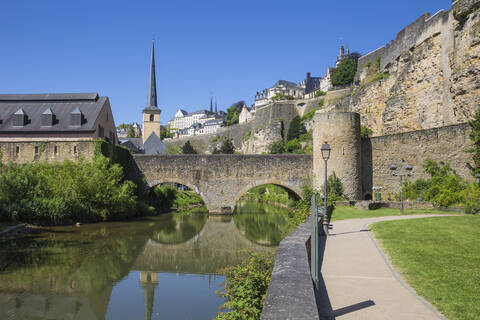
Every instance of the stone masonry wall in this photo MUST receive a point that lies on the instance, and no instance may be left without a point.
(447, 144)
(51, 151)
(433, 79)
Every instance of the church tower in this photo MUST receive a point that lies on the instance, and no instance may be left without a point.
(151, 113)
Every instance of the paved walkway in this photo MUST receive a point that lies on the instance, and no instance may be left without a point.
(359, 280)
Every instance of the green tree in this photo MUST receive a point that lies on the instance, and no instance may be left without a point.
(345, 72)
(475, 137)
(227, 147)
(188, 148)
(276, 147)
(296, 128)
(232, 115)
(128, 129)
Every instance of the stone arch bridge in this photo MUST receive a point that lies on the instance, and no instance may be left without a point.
(222, 179)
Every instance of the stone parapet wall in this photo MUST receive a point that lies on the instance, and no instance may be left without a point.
(50, 151)
(446, 144)
(291, 293)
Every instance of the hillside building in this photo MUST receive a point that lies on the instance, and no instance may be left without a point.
(287, 88)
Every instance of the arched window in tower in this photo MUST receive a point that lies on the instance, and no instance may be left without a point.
(151, 117)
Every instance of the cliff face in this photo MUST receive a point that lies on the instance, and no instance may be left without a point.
(428, 77)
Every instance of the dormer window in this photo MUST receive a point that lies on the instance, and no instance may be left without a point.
(19, 118)
(47, 118)
(76, 118)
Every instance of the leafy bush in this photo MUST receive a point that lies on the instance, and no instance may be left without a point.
(186, 198)
(320, 93)
(475, 137)
(309, 115)
(245, 288)
(379, 76)
(188, 148)
(345, 72)
(61, 193)
(334, 188)
(365, 132)
(444, 188)
(173, 149)
(276, 147)
(321, 103)
(227, 147)
(293, 146)
(163, 196)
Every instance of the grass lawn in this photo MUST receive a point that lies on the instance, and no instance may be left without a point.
(440, 258)
(343, 213)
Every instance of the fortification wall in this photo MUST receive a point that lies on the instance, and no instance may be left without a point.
(447, 144)
(50, 151)
(431, 74)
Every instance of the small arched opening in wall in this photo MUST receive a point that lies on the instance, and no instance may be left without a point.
(262, 213)
(368, 196)
(293, 192)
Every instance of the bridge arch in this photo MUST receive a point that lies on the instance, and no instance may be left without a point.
(294, 189)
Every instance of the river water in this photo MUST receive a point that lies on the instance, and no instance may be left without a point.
(163, 267)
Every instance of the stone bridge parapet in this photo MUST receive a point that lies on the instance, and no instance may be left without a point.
(222, 179)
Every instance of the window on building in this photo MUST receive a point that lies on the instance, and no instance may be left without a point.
(36, 150)
(101, 132)
(17, 151)
(151, 117)
(55, 150)
(75, 150)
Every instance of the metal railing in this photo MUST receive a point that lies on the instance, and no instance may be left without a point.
(320, 225)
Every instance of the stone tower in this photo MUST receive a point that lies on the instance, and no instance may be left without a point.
(151, 113)
(342, 131)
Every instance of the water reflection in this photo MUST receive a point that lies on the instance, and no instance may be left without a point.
(261, 222)
(148, 269)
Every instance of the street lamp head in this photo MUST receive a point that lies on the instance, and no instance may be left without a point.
(326, 151)
(393, 167)
(408, 167)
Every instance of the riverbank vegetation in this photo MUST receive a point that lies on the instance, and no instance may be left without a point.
(245, 288)
(439, 258)
(68, 192)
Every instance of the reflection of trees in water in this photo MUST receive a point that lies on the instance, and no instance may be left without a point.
(261, 222)
(178, 227)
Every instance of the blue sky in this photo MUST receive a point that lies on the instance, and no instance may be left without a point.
(230, 49)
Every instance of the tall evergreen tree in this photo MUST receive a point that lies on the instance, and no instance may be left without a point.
(188, 148)
(227, 147)
(296, 128)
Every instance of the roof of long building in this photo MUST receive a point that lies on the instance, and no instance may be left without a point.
(61, 105)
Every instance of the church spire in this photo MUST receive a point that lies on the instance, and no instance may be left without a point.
(211, 104)
(216, 105)
(152, 84)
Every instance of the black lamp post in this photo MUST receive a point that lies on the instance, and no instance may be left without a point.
(393, 168)
(325, 155)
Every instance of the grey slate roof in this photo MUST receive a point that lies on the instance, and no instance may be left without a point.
(134, 144)
(153, 145)
(62, 105)
(285, 83)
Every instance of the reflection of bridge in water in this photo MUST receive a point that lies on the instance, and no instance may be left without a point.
(217, 246)
(50, 294)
